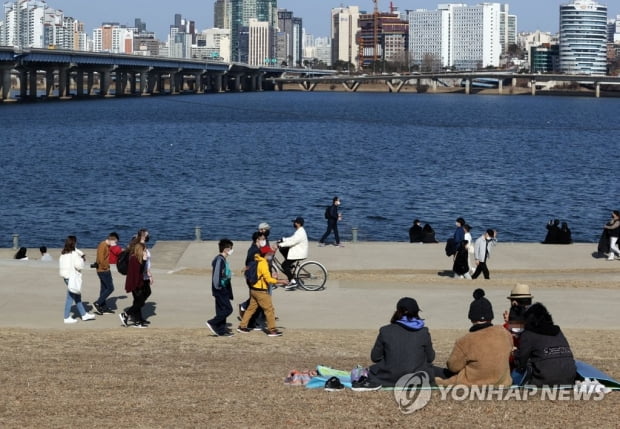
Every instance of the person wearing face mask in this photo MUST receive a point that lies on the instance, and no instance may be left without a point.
(260, 296)
(221, 289)
(482, 252)
(333, 216)
(258, 241)
(102, 263)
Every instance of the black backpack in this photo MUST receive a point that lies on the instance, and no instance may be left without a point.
(122, 263)
(450, 247)
(251, 273)
(327, 213)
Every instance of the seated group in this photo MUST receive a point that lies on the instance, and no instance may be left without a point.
(528, 347)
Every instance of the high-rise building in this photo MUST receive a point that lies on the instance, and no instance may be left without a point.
(289, 40)
(113, 37)
(457, 35)
(222, 14)
(583, 38)
(241, 13)
(391, 39)
(344, 27)
(214, 44)
(507, 28)
(181, 37)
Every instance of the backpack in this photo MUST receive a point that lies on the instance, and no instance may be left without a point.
(450, 247)
(122, 263)
(327, 213)
(251, 273)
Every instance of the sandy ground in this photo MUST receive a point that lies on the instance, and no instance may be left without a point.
(174, 374)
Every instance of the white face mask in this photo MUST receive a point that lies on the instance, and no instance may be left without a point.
(262, 243)
(230, 252)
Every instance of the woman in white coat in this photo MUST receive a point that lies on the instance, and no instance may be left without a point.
(71, 264)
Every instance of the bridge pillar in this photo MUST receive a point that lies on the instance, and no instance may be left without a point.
(64, 83)
(533, 89)
(144, 79)
(217, 82)
(23, 84)
(5, 82)
(597, 90)
(500, 87)
(119, 87)
(32, 77)
(238, 82)
(259, 81)
(79, 83)
(434, 85)
(90, 82)
(199, 87)
(49, 83)
(467, 86)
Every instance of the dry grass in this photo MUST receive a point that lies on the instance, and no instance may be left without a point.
(186, 378)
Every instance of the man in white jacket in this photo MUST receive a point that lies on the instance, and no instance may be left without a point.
(294, 248)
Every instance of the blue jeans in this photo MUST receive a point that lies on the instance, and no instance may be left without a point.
(71, 298)
(106, 286)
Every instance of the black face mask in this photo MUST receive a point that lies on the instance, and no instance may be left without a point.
(266, 234)
(147, 238)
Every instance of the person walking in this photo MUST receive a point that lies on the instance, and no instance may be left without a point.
(333, 216)
(102, 262)
(221, 289)
(294, 248)
(138, 280)
(71, 264)
(482, 252)
(613, 232)
(260, 294)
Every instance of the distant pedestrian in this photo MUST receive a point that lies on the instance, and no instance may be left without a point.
(294, 248)
(45, 257)
(333, 216)
(71, 264)
(221, 289)
(106, 284)
(415, 232)
(613, 231)
(21, 255)
(482, 252)
(138, 280)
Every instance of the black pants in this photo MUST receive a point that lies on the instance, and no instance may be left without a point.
(332, 225)
(223, 309)
(287, 268)
(481, 268)
(139, 299)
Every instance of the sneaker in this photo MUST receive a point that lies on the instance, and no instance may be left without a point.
(241, 311)
(227, 334)
(338, 245)
(145, 322)
(70, 320)
(97, 309)
(139, 325)
(88, 316)
(243, 330)
(291, 286)
(211, 329)
(107, 310)
(123, 317)
(333, 385)
(274, 333)
(364, 385)
(258, 328)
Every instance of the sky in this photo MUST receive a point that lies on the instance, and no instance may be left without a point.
(531, 14)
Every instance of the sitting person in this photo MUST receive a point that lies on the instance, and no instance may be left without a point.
(45, 257)
(402, 347)
(544, 354)
(20, 255)
(565, 236)
(428, 234)
(480, 357)
(553, 232)
(415, 232)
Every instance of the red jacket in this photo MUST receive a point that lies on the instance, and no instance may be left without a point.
(134, 279)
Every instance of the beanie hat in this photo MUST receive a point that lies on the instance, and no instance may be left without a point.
(480, 310)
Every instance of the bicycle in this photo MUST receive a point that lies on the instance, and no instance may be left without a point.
(309, 275)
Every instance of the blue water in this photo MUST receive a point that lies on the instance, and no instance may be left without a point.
(226, 162)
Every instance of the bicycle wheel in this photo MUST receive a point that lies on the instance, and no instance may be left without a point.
(311, 276)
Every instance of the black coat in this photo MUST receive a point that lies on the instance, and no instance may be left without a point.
(400, 350)
(546, 357)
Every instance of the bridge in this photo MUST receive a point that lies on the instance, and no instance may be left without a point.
(396, 82)
(67, 74)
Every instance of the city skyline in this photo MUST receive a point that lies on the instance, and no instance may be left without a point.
(532, 15)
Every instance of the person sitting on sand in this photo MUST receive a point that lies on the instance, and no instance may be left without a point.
(20, 255)
(480, 357)
(428, 234)
(544, 354)
(565, 235)
(45, 257)
(553, 232)
(415, 232)
(402, 347)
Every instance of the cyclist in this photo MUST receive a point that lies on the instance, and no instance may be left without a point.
(294, 248)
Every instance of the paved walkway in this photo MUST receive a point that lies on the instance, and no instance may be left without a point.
(32, 293)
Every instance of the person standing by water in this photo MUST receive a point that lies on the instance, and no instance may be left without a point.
(102, 263)
(482, 252)
(71, 264)
(333, 216)
(613, 231)
(221, 289)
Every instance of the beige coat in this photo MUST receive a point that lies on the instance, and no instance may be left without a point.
(481, 358)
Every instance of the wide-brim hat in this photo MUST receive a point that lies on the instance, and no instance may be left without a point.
(520, 291)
